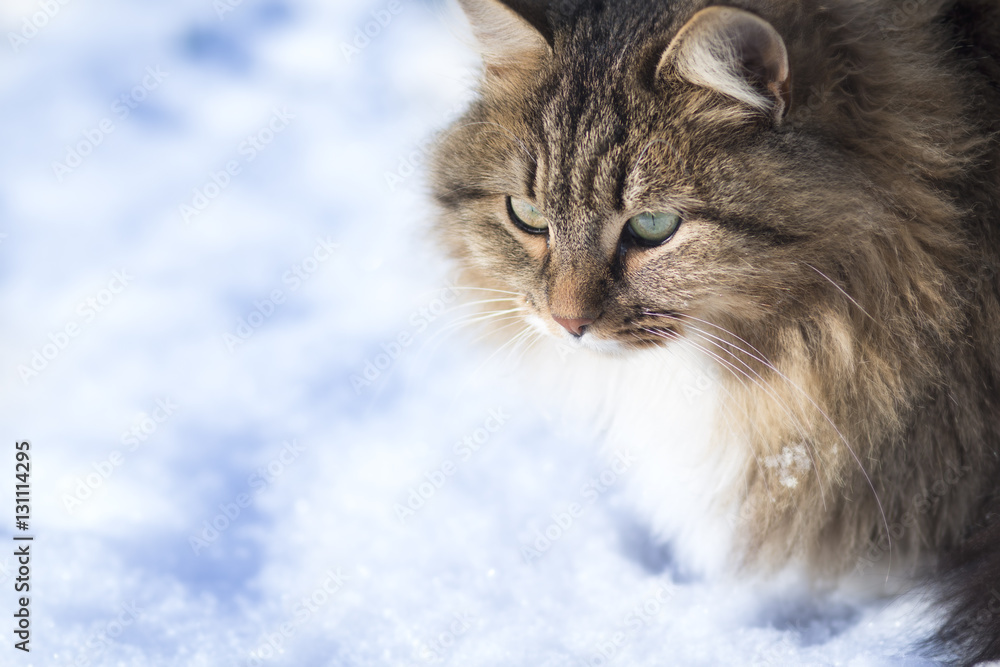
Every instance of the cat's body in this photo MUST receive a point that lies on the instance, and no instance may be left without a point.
(806, 193)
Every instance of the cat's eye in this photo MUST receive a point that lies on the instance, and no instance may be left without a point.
(526, 216)
(653, 229)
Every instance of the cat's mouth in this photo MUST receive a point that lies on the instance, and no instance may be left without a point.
(634, 338)
(631, 335)
(639, 330)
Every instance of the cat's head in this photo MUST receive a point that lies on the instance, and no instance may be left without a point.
(632, 167)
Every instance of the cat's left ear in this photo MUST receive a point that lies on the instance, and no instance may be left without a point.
(513, 34)
(736, 53)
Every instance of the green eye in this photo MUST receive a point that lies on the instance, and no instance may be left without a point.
(653, 229)
(526, 216)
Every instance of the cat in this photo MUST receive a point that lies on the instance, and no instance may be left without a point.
(808, 195)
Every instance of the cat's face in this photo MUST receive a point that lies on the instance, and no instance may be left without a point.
(623, 181)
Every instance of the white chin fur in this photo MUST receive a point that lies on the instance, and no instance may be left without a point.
(660, 405)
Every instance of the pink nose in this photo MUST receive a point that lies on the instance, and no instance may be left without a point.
(574, 326)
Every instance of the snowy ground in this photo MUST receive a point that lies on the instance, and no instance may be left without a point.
(210, 487)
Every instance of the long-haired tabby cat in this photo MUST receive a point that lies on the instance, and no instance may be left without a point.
(808, 192)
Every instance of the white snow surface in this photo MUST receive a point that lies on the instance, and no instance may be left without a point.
(301, 469)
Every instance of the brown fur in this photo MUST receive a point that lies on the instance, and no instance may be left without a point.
(839, 257)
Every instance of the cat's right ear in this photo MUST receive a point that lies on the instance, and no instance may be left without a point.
(513, 34)
(736, 53)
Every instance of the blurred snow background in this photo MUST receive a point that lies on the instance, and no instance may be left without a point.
(211, 487)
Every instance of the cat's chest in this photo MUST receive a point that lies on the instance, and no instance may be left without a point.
(665, 409)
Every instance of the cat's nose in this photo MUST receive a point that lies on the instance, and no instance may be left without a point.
(574, 326)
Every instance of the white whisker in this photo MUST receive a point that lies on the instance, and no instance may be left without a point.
(842, 291)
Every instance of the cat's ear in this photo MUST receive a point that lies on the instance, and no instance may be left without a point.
(512, 33)
(735, 53)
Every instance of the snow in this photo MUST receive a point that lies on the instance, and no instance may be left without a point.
(156, 419)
